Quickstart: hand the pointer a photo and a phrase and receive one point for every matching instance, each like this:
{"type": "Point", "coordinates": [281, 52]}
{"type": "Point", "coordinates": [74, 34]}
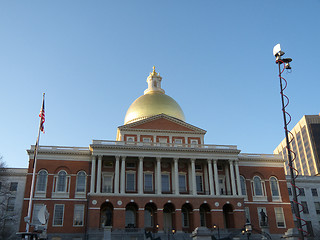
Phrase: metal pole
{"type": "Point", "coordinates": [295, 199]}
{"type": "Point", "coordinates": [34, 172]}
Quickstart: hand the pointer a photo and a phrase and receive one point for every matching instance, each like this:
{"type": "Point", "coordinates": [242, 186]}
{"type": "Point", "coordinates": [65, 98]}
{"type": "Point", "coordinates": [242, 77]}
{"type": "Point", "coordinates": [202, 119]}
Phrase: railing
{"type": "Point", "coordinates": [254, 155]}
{"type": "Point", "coordinates": [170, 145]}
{"type": "Point", "coordinates": [62, 148]}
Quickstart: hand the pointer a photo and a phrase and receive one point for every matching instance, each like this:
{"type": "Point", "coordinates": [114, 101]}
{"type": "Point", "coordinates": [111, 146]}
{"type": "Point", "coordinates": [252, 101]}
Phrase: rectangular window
{"type": "Point", "coordinates": [148, 182]}
{"type": "Point", "coordinates": [314, 192]}
{"type": "Point", "coordinates": [279, 217]}
{"type": "Point", "coordinates": [130, 139]}
{"type": "Point", "coordinates": [78, 215]}
{"type": "Point", "coordinates": [10, 205]}
{"type": "Point", "coordinates": [108, 164]}
{"type": "Point", "coordinates": [290, 191]}
{"type": "Point", "coordinates": [35, 211]}
{"type": "Point", "coordinates": [309, 228]}
{"type": "Point", "coordinates": [131, 165]}
{"type": "Point", "coordinates": [58, 215]}
{"type": "Point", "coordinates": [182, 183]}
{"type": "Point", "coordinates": [198, 166]}
{"type": "Point", "coordinates": [131, 182]}
{"type": "Point", "coordinates": [107, 183]}
{"type": "Point", "coordinates": [146, 140]}
{"type": "Point", "coordinates": [317, 206]}
{"type": "Point", "coordinates": [199, 183]}
{"type": "Point", "coordinates": [302, 192]}
{"type": "Point", "coordinates": [13, 186]}
{"type": "Point", "coordinates": [194, 142]}
{"type": "Point", "coordinates": [163, 140]}
{"type": "Point", "coordinates": [305, 207]}
{"type": "Point", "coordinates": [178, 142]}
{"type": "Point", "coordinates": [165, 182]}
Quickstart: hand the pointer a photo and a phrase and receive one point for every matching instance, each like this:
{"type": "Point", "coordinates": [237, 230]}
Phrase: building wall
{"type": "Point", "coordinates": [307, 183]}
{"type": "Point", "coordinates": [12, 221]}
{"type": "Point", "coordinates": [305, 143]}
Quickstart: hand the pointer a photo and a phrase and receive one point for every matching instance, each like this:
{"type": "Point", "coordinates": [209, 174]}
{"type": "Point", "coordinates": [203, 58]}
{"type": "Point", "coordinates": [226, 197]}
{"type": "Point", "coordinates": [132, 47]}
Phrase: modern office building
{"type": "Point", "coordinates": [12, 184]}
{"type": "Point", "coordinates": [305, 144]}
{"type": "Point", "coordinates": [158, 175]}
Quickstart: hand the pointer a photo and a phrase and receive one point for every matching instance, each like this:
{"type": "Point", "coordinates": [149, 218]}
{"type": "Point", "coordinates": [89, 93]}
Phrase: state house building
{"type": "Point", "coordinates": [157, 175]}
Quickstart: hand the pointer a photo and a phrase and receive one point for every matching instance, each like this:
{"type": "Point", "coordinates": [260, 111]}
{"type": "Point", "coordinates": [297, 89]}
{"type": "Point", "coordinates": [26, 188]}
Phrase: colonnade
{"type": "Point", "coordinates": [232, 180]}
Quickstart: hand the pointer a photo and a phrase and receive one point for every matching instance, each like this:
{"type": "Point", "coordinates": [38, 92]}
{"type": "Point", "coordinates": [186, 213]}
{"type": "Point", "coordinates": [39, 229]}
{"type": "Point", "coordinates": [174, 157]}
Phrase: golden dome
{"type": "Point", "coordinates": [153, 102]}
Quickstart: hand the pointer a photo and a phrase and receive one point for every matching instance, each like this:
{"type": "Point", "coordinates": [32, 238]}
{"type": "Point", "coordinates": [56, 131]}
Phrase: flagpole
{"type": "Point", "coordinates": [35, 165]}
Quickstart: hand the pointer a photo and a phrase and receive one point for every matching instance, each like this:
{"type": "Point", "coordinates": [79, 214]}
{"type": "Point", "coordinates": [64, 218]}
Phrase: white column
{"type": "Point", "coordinates": [216, 176]}
{"type": "Point", "coordinates": [193, 177]}
{"type": "Point", "coordinates": [236, 163]}
{"type": "Point", "coordinates": [93, 174]}
{"type": "Point", "coordinates": [116, 175]}
{"type": "Point", "coordinates": [210, 177]}
{"type": "Point", "coordinates": [233, 180]}
{"type": "Point", "coordinates": [227, 169]}
{"type": "Point", "coordinates": [176, 176]}
{"type": "Point", "coordinates": [123, 175]}
{"type": "Point", "coordinates": [140, 176]}
{"type": "Point", "coordinates": [98, 190]}
{"type": "Point", "coordinates": [159, 187]}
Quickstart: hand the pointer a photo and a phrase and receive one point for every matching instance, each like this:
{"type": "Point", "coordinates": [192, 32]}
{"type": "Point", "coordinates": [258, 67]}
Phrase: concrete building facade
{"type": "Point", "coordinates": [305, 144]}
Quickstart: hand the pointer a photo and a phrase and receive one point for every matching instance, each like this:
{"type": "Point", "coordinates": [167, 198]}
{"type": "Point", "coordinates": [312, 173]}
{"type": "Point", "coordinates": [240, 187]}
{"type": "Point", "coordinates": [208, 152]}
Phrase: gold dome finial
{"type": "Point", "coordinates": [154, 73]}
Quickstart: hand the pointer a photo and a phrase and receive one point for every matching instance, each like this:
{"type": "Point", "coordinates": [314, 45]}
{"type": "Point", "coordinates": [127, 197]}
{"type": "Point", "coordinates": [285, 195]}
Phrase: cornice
{"type": "Point", "coordinates": [168, 149]}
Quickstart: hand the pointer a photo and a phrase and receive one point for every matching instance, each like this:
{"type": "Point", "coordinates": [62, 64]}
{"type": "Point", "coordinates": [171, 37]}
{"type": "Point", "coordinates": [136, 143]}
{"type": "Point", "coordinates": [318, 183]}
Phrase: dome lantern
{"type": "Point", "coordinates": [154, 82]}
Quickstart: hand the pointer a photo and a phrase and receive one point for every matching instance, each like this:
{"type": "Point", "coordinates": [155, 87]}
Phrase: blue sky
{"type": "Point", "coordinates": [92, 58]}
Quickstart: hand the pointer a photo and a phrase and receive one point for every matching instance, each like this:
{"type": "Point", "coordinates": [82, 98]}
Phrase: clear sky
{"type": "Point", "coordinates": [92, 58]}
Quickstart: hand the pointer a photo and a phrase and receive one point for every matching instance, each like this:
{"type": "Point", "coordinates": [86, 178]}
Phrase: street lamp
{"type": "Point", "coordinates": [247, 230]}
{"type": "Point", "coordinates": [215, 227]}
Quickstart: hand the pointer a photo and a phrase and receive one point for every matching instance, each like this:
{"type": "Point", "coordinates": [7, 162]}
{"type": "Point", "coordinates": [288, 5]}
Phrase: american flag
{"type": "Point", "coordinates": [42, 116]}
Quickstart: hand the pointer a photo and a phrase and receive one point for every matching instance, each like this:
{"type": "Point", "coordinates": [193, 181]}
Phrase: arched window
{"type": "Point", "coordinates": [243, 185]}
{"type": "Point", "coordinates": [185, 217]}
{"type": "Point", "coordinates": [42, 181]}
{"type": "Point", "coordinates": [81, 182]}
{"type": "Point", "coordinates": [148, 217]}
{"type": "Point", "coordinates": [62, 181]}
{"type": "Point", "coordinates": [257, 185]}
{"type": "Point", "coordinates": [274, 188]}
{"type": "Point", "coordinates": [130, 217]}
{"type": "Point", "coordinates": [186, 210]}
{"type": "Point", "coordinates": [205, 215]}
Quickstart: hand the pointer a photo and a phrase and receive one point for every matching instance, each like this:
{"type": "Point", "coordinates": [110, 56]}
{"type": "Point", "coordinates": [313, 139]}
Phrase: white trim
{"type": "Point", "coordinates": [91, 208]}
{"type": "Point", "coordinates": [274, 203]}
{"type": "Point", "coordinates": [56, 199]}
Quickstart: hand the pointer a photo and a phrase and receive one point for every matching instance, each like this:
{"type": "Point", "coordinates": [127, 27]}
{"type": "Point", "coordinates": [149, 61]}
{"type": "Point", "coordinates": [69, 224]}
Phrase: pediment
{"type": "Point", "coordinates": [162, 122]}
